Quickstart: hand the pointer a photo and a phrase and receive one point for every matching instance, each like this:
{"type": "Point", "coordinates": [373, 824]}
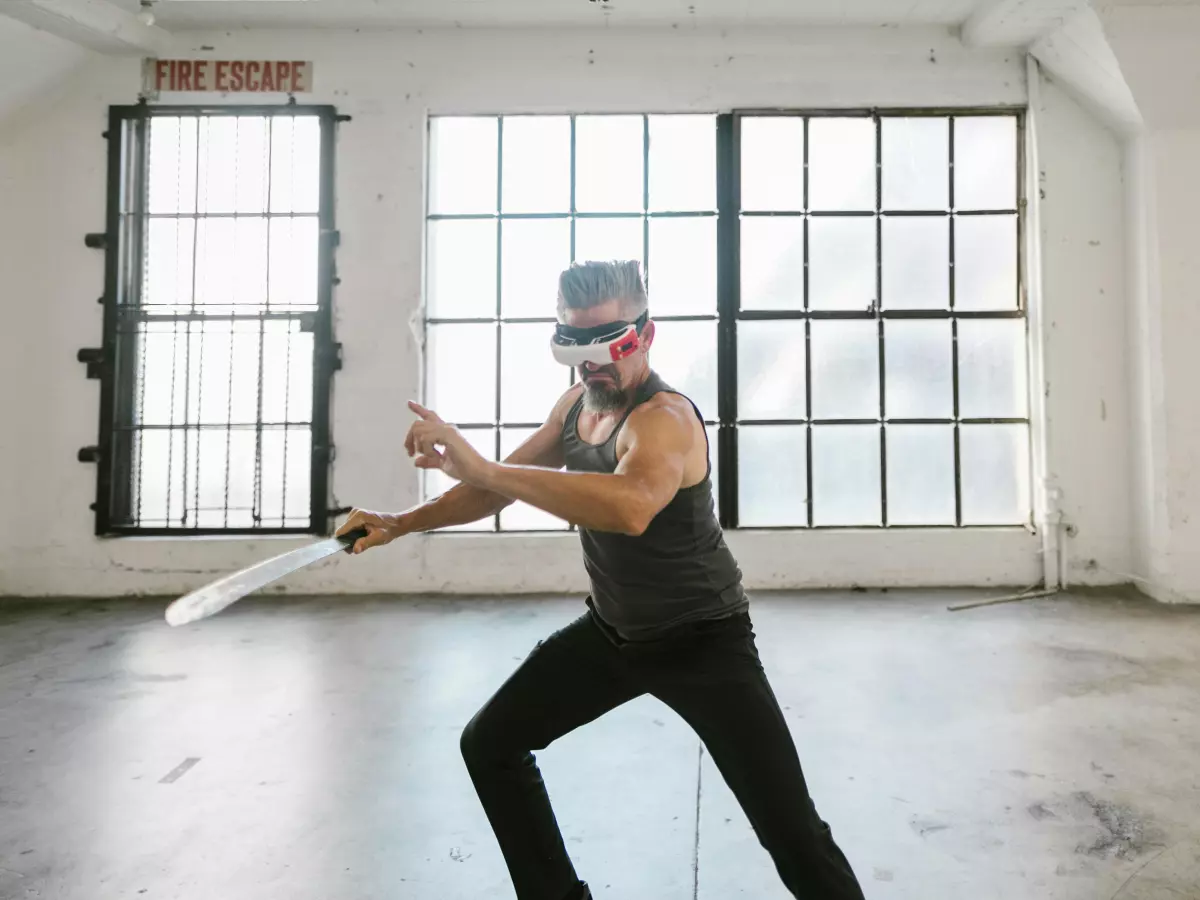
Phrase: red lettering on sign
{"type": "Point", "coordinates": [185, 75]}
{"type": "Point", "coordinates": [268, 82]}
{"type": "Point", "coordinates": [237, 75]}
{"type": "Point", "coordinates": [223, 76]}
{"type": "Point", "coordinates": [200, 71]}
{"type": "Point", "coordinates": [298, 75]}
{"type": "Point", "coordinates": [283, 77]}
{"type": "Point", "coordinates": [252, 82]}
{"type": "Point", "coordinates": [160, 72]}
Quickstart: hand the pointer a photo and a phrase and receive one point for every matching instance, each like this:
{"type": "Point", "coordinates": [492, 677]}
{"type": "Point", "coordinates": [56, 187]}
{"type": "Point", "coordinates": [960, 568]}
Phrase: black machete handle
{"type": "Point", "coordinates": [351, 537]}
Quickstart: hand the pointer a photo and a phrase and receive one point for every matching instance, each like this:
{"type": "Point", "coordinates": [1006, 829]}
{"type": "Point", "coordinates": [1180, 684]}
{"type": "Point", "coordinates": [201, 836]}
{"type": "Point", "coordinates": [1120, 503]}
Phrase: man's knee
{"type": "Point", "coordinates": [472, 743]}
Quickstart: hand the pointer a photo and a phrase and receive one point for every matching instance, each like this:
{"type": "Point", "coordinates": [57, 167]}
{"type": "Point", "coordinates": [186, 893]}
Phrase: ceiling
{"type": "Point", "coordinates": [348, 13]}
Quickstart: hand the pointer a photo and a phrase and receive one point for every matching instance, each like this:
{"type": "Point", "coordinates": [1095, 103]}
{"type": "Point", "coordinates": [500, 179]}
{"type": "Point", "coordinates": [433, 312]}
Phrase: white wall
{"type": "Point", "coordinates": [52, 191]}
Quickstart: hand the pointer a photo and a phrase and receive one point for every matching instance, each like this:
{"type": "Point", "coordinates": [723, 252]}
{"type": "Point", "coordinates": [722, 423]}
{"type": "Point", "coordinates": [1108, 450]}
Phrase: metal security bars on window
{"type": "Point", "coordinates": [218, 342]}
{"type": "Point", "coordinates": [840, 292]}
{"type": "Point", "coordinates": [512, 201]}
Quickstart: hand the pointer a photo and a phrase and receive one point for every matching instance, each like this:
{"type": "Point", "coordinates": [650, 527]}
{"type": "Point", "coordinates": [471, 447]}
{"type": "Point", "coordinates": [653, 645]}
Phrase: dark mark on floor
{"type": "Point", "coordinates": [107, 642]}
{"type": "Point", "coordinates": [457, 855]}
{"type": "Point", "coordinates": [180, 770]}
{"type": "Point", "coordinates": [1126, 834]}
{"type": "Point", "coordinates": [925, 827]}
{"type": "Point", "coordinates": [883, 874]}
{"type": "Point", "coordinates": [1039, 812]}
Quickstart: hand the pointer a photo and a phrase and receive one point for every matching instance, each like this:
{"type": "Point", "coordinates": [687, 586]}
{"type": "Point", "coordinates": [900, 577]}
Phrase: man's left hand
{"type": "Point", "coordinates": [438, 445]}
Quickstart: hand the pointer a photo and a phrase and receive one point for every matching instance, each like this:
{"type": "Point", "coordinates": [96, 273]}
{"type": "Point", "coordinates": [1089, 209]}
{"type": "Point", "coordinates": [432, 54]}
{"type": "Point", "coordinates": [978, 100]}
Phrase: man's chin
{"type": "Point", "coordinates": [602, 396]}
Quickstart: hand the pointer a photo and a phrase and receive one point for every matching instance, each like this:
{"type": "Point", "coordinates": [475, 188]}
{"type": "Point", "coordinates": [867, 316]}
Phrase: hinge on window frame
{"type": "Point", "coordinates": [95, 359]}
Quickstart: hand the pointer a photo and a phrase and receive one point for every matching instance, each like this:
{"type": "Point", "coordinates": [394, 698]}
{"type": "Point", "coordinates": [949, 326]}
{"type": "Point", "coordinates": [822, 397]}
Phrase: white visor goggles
{"type": "Point", "coordinates": [600, 346]}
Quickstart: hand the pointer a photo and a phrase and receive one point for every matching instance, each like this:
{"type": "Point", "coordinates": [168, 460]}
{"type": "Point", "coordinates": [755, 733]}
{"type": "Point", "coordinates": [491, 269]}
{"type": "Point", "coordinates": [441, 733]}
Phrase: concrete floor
{"type": "Point", "coordinates": [308, 750]}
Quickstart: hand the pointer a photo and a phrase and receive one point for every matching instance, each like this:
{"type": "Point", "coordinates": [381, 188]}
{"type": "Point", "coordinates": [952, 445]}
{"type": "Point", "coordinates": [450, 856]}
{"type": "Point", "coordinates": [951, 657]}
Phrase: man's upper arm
{"type": "Point", "coordinates": [544, 447]}
{"type": "Point", "coordinates": [658, 439]}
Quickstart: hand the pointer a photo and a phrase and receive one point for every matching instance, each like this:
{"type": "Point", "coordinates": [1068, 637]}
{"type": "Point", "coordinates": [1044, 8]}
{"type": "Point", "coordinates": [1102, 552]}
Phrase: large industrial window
{"type": "Point", "coordinates": [840, 295]}
{"type": "Point", "coordinates": [218, 349]}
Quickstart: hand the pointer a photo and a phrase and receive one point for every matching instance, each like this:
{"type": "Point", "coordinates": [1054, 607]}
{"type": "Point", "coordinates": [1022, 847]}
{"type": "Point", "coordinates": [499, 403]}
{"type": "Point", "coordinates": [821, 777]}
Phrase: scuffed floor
{"type": "Point", "coordinates": [309, 750]}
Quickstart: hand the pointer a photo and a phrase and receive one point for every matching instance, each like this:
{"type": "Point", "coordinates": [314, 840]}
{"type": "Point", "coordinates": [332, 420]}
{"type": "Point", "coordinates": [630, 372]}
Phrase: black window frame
{"type": "Point", "coordinates": [124, 243]}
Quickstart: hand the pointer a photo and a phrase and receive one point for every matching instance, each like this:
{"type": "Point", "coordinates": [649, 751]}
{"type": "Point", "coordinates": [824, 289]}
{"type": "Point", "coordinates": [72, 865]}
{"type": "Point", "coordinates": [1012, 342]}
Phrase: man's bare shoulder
{"type": "Point", "coordinates": [663, 411]}
{"type": "Point", "coordinates": [558, 415]}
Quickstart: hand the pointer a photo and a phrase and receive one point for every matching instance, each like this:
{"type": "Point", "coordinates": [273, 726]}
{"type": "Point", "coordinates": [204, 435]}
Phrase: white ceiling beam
{"type": "Point", "coordinates": [1016, 23]}
{"type": "Point", "coordinates": [95, 24]}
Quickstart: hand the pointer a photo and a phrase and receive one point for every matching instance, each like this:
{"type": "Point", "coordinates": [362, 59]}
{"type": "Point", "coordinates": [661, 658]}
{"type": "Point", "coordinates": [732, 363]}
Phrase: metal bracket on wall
{"type": "Point", "coordinates": [335, 357]}
{"type": "Point", "coordinates": [88, 455]}
{"type": "Point", "coordinates": [95, 360]}
{"type": "Point", "coordinates": [96, 240]}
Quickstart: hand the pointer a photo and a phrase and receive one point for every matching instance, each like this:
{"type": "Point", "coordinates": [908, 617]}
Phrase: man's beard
{"type": "Point", "coordinates": [603, 396]}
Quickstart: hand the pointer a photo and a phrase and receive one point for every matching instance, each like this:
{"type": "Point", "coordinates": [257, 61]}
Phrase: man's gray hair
{"type": "Point", "coordinates": [588, 284]}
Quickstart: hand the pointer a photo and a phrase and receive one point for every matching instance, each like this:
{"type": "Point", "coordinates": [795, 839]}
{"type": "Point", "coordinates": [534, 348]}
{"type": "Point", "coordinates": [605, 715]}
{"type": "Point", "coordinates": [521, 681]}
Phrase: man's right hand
{"type": "Point", "coordinates": [382, 528]}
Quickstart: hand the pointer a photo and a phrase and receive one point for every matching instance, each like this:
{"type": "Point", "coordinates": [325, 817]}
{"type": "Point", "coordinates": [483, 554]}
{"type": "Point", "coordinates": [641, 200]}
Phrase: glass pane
{"type": "Point", "coordinates": [916, 163]}
{"type": "Point", "coordinates": [919, 363]}
{"type": "Point", "coordinates": [845, 370]}
{"type": "Point", "coordinates": [207, 502]}
{"type": "Point", "coordinates": [461, 372]}
{"type": "Point", "coordinates": [772, 260]}
{"type": "Point", "coordinates": [537, 164]}
{"type": "Point", "coordinates": [295, 253]}
{"type": "Point", "coordinates": [609, 153]}
{"type": "Point", "coordinates": [916, 262]}
{"type": "Point", "coordinates": [841, 263]}
{"type": "Point", "coordinates": [242, 452]}
{"type": "Point", "coordinates": [234, 163]}
{"type": "Point", "coordinates": [682, 274]}
{"type": "Point", "coordinates": [435, 482]}
{"type": "Point", "coordinates": [710, 433]}
{"type": "Point", "coordinates": [772, 161]}
{"type": "Point", "coordinates": [231, 264]}
{"type": "Point", "coordinates": [284, 486]}
{"type": "Point", "coordinates": [172, 186]}
{"type": "Point", "coordinates": [841, 164]}
{"type": "Point", "coordinates": [992, 381]}
{"type": "Point", "coordinates": [171, 244]}
{"type": "Point", "coordinates": [920, 482]}
{"type": "Point", "coordinates": [685, 354]}
{"type": "Point", "coordinates": [462, 164]}
{"type": "Point", "coordinates": [985, 162]}
{"type": "Point", "coordinates": [846, 473]}
{"type": "Point", "coordinates": [995, 474]}
{"type": "Point", "coordinates": [522, 516]}
{"type": "Point", "coordinates": [461, 279]}
{"type": "Point", "coordinates": [287, 373]}
{"type": "Point", "coordinates": [295, 164]}
{"type": "Point", "coordinates": [597, 239]}
{"type": "Point", "coordinates": [771, 358]}
{"type": "Point", "coordinates": [772, 476]}
{"type": "Point", "coordinates": [158, 484]}
{"type": "Point", "coordinates": [530, 380]}
{"type": "Point", "coordinates": [683, 163]}
{"type": "Point", "coordinates": [162, 356]}
{"type": "Point", "coordinates": [534, 254]}
{"type": "Point", "coordinates": [985, 262]}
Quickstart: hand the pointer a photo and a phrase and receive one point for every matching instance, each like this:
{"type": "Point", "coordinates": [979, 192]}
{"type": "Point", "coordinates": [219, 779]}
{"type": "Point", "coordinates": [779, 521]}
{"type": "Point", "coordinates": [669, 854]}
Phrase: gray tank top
{"type": "Point", "coordinates": [678, 572]}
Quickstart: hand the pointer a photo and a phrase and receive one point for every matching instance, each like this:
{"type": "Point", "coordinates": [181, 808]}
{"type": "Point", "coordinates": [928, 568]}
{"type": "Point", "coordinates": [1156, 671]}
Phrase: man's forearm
{"type": "Point", "coordinates": [590, 500]}
{"type": "Point", "coordinates": [461, 505]}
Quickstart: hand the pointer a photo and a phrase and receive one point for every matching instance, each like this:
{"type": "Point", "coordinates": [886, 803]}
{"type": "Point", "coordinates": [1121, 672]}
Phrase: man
{"type": "Point", "coordinates": [667, 614]}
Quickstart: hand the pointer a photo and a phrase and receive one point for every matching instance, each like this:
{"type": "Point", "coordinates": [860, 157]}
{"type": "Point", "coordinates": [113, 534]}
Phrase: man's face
{"type": "Point", "coordinates": [606, 387]}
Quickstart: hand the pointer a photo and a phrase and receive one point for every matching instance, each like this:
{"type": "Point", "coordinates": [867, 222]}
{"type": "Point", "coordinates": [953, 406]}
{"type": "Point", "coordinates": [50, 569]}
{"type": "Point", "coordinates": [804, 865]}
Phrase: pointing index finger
{"type": "Point", "coordinates": [427, 414]}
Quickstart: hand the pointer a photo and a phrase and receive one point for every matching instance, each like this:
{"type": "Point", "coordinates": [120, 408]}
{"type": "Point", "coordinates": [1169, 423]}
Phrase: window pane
{"type": "Point", "coordinates": [710, 433]}
{"type": "Point", "coordinates": [609, 239]}
{"type": "Point", "coordinates": [985, 162]}
{"type": "Point", "coordinates": [683, 163]}
{"type": "Point", "coordinates": [846, 472]}
{"type": "Point", "coordinates": [609, 154]}
{"type": "Point", "coordinates": [991, 369]}
{"type": "Point", "coordinates": [462, 165]}
{"type": "Point", "coordinates": [234, 164]}
{"type": "Point", "coordinates": [284, 486]}
{"type": "Point", "coordinates": [985, 262]}
{"type": "Point", "coordinates": [462, 269]}
{"type": "Point", "coordinates": [845, 370]}
{"type": "Point", "coordinates": [916, 262]}
{"type": "Point", "coordinates": [685, 354]}
{"type": "Point", "coordinates": [158, 483]}
{"type": "Point", "coordinates": [170, 246]}
{"type": "Point", "coordinates": [287, 373]}
{"type": "Point", "coordinates": [461, 372]}
{"type": "Point", "coordinates": [682, 274]}
{"type": "Point", "coordinates": [537, 164]}
{"type": "Point", "coordinates": [295, 164]}
{"type": "Point", "coordinates": [172, 186]}
{"type": "Point", "coordinates": [521, 516]}
{"type": "Point", "coordinates": [772, 476]}
{"type": "Point", "coordinates": [534, 254]}
{"type": "Point", "coordinates": [772, 261]}
{"type": "Point", "coordinates": [231, 264]}
{"type": "Point", "coordinates": [841, 164]}
{"type": "Point", "coordinates": [295, 253]}
{"type": "Point", "coordinates": [841, 263]}
{"type": "Point", "coordinates": [916, 163]}
{"type": "Point", "coordinates": [530, 379]}
{"type": "Point", "coordinates": [435, 482]}
{"type": "Point", "coordinates": [771, 357]}
{"type": "Point", "coordinates": [918, 359]}
{"type": "Point", "coordinates": [920, 474]}
{"type": "Point", "coordinates": [241, 462]}
{"type": "Point", "coordinates": [772, 162]}
{"type": "Point", "coordinates": [995, 474]}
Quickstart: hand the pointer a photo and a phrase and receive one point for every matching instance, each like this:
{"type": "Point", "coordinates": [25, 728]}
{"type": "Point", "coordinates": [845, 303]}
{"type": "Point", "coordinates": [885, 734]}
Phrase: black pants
{"type": "Point", "coordinates": [711, 676]}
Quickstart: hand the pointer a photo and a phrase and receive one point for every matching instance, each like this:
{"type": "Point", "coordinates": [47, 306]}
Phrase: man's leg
{"type": "Point", "coordinates": [570, 679]}
{"type": "Point", "coordinates": [717, 684]}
